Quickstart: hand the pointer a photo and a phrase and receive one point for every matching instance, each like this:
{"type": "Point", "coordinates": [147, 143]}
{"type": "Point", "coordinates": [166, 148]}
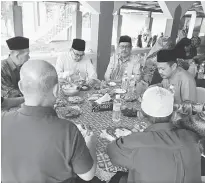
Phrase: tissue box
{"type": "Point", "coordinates": [106, 106]}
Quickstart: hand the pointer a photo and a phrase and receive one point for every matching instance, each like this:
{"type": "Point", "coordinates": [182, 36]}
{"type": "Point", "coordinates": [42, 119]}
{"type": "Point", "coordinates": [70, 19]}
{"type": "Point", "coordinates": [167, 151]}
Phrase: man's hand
{"type": "Point", "coordinates": [90, 139]}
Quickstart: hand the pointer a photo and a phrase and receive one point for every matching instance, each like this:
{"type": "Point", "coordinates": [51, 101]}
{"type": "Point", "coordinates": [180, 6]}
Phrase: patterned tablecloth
{"type": "Point", "coordinates": [99, 121]}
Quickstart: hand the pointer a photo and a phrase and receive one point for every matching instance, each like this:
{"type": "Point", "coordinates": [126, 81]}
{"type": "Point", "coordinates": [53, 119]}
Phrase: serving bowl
{"type": "Point", "coordinates": [70, 90]}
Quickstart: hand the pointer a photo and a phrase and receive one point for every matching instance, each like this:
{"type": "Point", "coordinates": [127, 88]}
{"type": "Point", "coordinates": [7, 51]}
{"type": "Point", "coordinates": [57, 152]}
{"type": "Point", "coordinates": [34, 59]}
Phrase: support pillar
{"type": "Point", "coordinates": [94, 32]}
{"type": "Point", "coordinates": [202, 29]}
{"type": "Point", "coordinates": [104, 37]}
{"type": "Point", "coordinates": [192, 24]}
{"type": "Point", "coordinates": [17, 19]}
{"type": "Point", "coordinates": [149, 21]}
{"type": "Point", "coordinates": [77, 23]}
{"type": "Point", "coordinates": [38, 13]}
{"type": "Point", "coordinates": [172, 25]}
{"type": "Point", "coordinates": [117, 27]}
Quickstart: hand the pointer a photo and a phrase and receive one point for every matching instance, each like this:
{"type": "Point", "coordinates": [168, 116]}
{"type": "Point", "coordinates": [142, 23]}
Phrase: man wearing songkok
{"type": "Point", "coordinates": [162, 153]}
{"type": "Point", "coordinates": [123, 61]}
{"type": "Point", "coordinates": [37, 146]}
{"type": "Point", "coordinates": [10, 67]}
{"type": "Point", "coordinates": [176, 78]}
{"type": "Point", "coordinates": [75, 65]}
{"type": "Point", "coordinates": [150, 72]}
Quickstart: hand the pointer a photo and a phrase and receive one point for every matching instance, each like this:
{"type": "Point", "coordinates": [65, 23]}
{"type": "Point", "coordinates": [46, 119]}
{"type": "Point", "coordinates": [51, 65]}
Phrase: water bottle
{"type": "Point", "coordinates": [124, 81]}
{"type": "Point", "coordinates": [132, 84]}
{"type": "Point", "coordinates": [116, 115]}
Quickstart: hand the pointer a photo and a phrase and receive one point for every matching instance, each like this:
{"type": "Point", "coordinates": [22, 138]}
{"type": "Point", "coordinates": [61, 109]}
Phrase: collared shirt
{"type": "Point", "coordinates": [39, 147]}
{"type": "Point", "coordinates": [117, 67]}
{"type": "Point", "coordinates": [184, 86]}
{"type": "Point", "coordinates": [160, 154]}
{"type": "Point", "coordinates": [10, 76]}
{"type": "Point", "coordinates": [65, 65]}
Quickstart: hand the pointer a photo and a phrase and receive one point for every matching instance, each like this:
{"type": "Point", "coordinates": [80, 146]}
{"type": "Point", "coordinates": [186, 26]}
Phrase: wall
{"type": "Point", "coordinates": [133, 24]}
{"type": "Point", "coordinates": [28, 19]}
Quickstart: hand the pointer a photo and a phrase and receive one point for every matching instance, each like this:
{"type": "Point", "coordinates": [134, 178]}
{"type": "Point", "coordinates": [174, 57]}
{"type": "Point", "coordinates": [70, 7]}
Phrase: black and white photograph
{"type": "Point", "coordinates": [102, 91]}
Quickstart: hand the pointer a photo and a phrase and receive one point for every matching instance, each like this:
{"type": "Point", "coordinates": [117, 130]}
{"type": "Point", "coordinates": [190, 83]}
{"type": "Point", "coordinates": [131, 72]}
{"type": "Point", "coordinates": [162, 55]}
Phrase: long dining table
{"type": "Point", "coordinates": [99, 121]}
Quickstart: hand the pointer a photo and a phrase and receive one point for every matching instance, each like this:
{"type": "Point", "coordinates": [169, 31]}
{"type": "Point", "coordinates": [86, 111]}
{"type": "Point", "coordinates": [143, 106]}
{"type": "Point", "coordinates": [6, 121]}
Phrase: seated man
{"type": "Point", "coordinates": [10, 67]}
{"type": "Point", "coordinates": [7, 103]}
{"type": "Point", "coordinates": [123, 61]}
{"type": "Point", "coordinates": [37, 146]}
{"type": "Point", "coordinates": [74, 65]}
{"type": "Point", "coordinates": [162, 153]}
{"type": "Point", "coordinates": [181, 81]}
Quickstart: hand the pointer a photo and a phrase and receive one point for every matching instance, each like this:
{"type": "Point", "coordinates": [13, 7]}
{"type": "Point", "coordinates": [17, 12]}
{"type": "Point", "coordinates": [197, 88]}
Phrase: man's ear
{"type": "Point", "coordinates": [174, 66]}
{"type": "Point", "coordinates": [20, 86]}
{"type": "Point", "coordinates": [56, 90]}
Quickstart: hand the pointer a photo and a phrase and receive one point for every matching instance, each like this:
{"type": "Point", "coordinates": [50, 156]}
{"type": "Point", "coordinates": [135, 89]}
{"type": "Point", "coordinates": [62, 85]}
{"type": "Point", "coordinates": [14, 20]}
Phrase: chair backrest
{"type": "Point", "coordinates": [200, 94]}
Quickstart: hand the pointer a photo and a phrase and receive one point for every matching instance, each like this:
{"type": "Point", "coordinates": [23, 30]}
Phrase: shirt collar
{"type": "Point", "coordinates": [37, 111]}
{"type": "Point", "coordinates": [159, 126]}
{"type": "Point", "coordinates": [175, 72]}
{"type": "Point", "coordinates": [11, 63]}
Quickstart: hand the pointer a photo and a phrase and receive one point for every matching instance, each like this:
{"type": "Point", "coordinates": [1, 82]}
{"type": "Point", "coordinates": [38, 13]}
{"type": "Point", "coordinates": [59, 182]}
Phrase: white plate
{"type": "Point", "coordinates": [121, 132]}
{"type": "Point", "coordinates": [112, 83]}
{"type": "Point", "coordinates": [120, 91]}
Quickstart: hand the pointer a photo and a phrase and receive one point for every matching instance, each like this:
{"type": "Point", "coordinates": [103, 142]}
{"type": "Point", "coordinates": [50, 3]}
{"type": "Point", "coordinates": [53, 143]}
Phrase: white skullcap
{"type": "Point", "coordinates": [157, 102]}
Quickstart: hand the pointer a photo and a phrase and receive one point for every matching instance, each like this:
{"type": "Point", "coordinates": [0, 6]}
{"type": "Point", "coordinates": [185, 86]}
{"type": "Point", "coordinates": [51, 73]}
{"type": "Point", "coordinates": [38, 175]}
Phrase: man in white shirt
{"type": "Point", "coordinates": [123, 61]}
{"type": "Point", "coordinates": [74, 65]}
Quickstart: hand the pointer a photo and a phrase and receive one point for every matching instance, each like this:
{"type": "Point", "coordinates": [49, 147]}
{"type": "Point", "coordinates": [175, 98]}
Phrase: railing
{"type": "Point", "coordinates": [64, 21]}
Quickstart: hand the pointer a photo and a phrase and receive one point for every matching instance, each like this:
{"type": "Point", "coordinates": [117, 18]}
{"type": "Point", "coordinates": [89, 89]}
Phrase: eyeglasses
{"type": "Point", "coordinates": [125, 47]}
{"type": "Point", "coordinates": [78, 55]}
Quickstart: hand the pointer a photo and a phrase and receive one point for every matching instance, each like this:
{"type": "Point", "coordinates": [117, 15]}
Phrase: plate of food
{"type": "Point", "coordinates": [75, 100]}
{"type": "Point", "coordinates": [120, 91]}
{"type": "Point", "coordinates": [104, 91]}
{"type": "Point", "coordinates": [118, 132]}
{"type": "Point", "coordinates": [70, 89]}
{"type": "Point", "coordinates": [95, 97]}
{"type": "Point", "coordinates": [130, 97]}
{"type": "Point", "coordinates": [85, 87]}
{"type": "Point", "coordinates": [73, 112]}
{"type": "Point", "coordinates": [61, 102]}
{"type": "Point", "coordinates": [129, 111]}
{"type": "Point", "coordinates": [68, 112]}
{"type": "Point", "coordinates": [112, 84]}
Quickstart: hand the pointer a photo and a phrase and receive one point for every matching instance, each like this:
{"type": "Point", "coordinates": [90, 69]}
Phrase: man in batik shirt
{"type": "Point", "coordinates": [123, 61]}
{"type": "Point", "coordinates": [10, 67]}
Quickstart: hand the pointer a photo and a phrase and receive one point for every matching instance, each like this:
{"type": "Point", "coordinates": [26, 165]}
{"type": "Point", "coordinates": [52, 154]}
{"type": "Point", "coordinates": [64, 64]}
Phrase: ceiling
{"type": "Point", "coordinates": [153, 6]}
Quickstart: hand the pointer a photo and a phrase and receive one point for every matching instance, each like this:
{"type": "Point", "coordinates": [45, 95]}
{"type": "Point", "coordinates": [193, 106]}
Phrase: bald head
{"type": "Point", "coordinates": [38, 77]}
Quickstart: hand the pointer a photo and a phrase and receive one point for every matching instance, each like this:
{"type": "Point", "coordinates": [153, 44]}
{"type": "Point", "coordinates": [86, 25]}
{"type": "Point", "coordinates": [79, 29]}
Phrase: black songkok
{"type": "Point", "coordinates": [166, 56]}
{"type": "Point", "coordinates": [78, 44]}
{"type": "Point", "coordinates": [18, 43]}
{"type": "Point", "coordinates": [126, 39]}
